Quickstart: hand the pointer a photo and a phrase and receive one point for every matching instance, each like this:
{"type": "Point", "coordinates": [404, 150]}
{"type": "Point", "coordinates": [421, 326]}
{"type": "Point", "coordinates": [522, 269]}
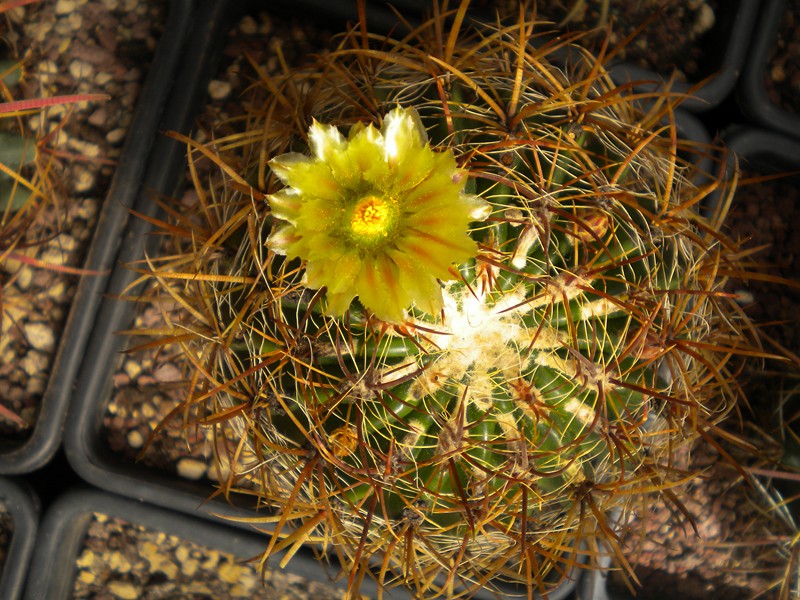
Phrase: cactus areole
{"type": "Point", "coordinates": [454, 339]}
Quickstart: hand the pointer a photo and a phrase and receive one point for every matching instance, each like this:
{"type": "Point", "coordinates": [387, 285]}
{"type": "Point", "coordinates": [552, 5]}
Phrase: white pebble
{"type": "Point", "coordinates": [81, 70]}
{"type": "Point", "coordinates": [40, 336]}
{"type": "Point", "coordinates": [115, 136]}
{"type": "Point", "coordinates": [24, 278]}
{"type": "Point", "coordinates": [132, 369]}
{"type": "Point", "coordinates": [82, 180]}
{"type": "Point", "coordinates": [135, 438]}
{"type": "Point", "coordinates": [64, 7]}
{"type": "Point", "coordinates": [34, 363]}
{"type": "Point", "coordinates": [190, 468]}
{"type": "Point", "coordinates": [248, 25]}
{"type": "Point", "coordinates": [219, 90]}
{"type": "Point", "coordinates": [167, 373]}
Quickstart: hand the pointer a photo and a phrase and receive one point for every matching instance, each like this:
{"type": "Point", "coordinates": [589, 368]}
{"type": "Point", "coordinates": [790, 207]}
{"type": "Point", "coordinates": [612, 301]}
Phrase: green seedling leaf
{"type": "Point", "coordinates": [15, 150]}
{"type": "Point", "coordinates": [10, 72]}
{"type": "Point", "coordinates": [12, 197]}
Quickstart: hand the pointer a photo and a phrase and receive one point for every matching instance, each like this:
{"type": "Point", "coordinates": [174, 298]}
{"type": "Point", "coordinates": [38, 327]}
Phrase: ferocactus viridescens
{"type": "Point", "coordinates": [379, 215]}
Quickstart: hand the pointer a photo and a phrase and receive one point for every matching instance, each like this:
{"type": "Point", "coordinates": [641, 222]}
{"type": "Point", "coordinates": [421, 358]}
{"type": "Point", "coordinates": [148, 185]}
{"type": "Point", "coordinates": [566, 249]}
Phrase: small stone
{"type": "Point", "coordinates": [124, 590]}
{"type": "Point", "coordinates": [54, 257]}
{"type": "Point", "coordinates": [64, 7]}
{"type": "Point", "coordinates": [81, 70]}
{"type": "Point", "coordinates": [36, 386]}
{"type": "Point", "coordinates": [40, 336]}
{"type": "Point", "coordinates": [83, 180]}
{"type": "Point", "coordinates": [86, 577]}
{"type": "Point", "coordinates": [115, 136]}
{"type": "Point", "coordinates": [248, 26]}
{"type": "Point", "coordinates": [212, 561]}
{"type": "Point", "coordinates": [148, 412]}
{"type": "Point", "coordinates": [55, 112]}
{"type": "Point", "coordinates": [241, 591]}
{"type": "Point", "coordinates": [190, 468]}
{"type": "Point", "coordinates": [705, 20]}
{"type": "Point", "coordinates": [34, 363]}
{"type": "Point", "coordinates": [86, 560]}
{"type": "Point", "coordinates": [135, 439]}
{"type": "Point", "coordinates": [57, 291]}
{"type": "Point", "coordinates": [39, 31]}
{"type": "Point", "coordinates": [98, 118]}
{"type": "Point", "coordinates": [219, 90]}
{"type": "Point", "coordinates": [86, 149]}
{"type": "Point", "coordinates": [86, 210]}
{"type": "Point", "coordinates": [189, 567]}
{"type": "Point", "coordinates": [158, 561]}
{"type": "Point", "coordinates": [132, 369]}
{"type": "Point", "coordinates": [230, 572]}
{"type": "Point", "coordinates": [24, 278]}
{"type": "Point", "coordinates": [103, 78]}
{"type": "Point", "coordinates": [75, 21]}
{"type": "Point", "coordinates": [47, 70]}
{"type": "Point", "coordinates": [167, 373]}
{"type": "Point", "coordinates": [65, 242]}
{"type": "Point", "coordinates": [118, 562]}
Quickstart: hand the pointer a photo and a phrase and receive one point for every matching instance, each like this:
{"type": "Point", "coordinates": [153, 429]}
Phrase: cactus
{"type": "Point", "coordinates": [453, 297]}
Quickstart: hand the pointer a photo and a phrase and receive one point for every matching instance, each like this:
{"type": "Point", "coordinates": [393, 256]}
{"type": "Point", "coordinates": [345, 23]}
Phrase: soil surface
{"type": "Point", "coordinates": [148, 384]}
{"type": "Point", "coordinates": [124, 561]}
{"type": "Point", "coordinates": [6, 531]}
{"type": "Point", "coordinates": [782, 77]}
{"type": "Point", "coordinates": [671, 559]}
{"type": "Point", "coordinates": [766, 214]}
{"type": "Point", "coordinates": [675, 37]}
{"type": "Point", "coordinates": [66, 47]}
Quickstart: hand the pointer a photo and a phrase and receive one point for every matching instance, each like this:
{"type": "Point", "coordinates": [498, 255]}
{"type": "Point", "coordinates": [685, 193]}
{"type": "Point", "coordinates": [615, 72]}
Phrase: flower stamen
{"type": "Point", "coordinates": [371, 217]}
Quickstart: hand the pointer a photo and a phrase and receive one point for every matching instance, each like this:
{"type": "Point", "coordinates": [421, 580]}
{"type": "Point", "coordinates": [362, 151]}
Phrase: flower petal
{"type": "Point", "coordinates": [308, 178]}
{"type": "Point", "coordinates": [286, 164]}
{"type": "Point", "coordinates": [403, 132]}
{"type": "Point", "coordinates": [345, 271]}
{"type": "Point", "coordinates": [422, 287]}
{"type": "Point", "coordinates": [286, 204]}
{"type": "Point", "coordinates": [361, 161]}
{"type": "Point", "coordinates": [325, 140]}
{"type": "Point", "coordinates": [436, 253]}
{"type": "Point", "coordinates": [282, 239]}
{"type": "Point", "coordinates": [337, 304]}
{"type": "Point", "coordinates": [379, 289]}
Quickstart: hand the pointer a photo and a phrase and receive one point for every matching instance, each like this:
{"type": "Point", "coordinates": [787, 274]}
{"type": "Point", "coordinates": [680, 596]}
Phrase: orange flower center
{"type": "Point", "coordinates": [371, 217]}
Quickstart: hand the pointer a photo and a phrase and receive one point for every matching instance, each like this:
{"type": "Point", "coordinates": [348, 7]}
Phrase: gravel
{"type": "Point", "coordinates": [125, 561]}
{"type": "Point", "coordinates": [68, 47]}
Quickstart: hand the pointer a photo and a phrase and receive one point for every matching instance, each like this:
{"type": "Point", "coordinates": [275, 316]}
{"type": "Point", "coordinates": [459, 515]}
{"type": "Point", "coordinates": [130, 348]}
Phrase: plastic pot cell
{"type": "Point", "coordinates": [766, 212]}
{"type": "Point", "coordinates": [19, 528]}
{"type": "Point", "coordinates": [92, 541]}
{"type": "Point", "coordinates": [724, 49]}
{"type": "Point", "coordinates": [21, 456]}
{"type": "Point", "coordinates": [765, 80]}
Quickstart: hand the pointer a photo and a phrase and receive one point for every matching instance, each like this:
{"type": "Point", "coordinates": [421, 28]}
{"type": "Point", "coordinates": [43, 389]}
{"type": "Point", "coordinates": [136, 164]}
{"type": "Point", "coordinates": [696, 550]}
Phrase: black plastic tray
{"type": "Point", "coordinates": [752, 92]}
{"type": "Point", "coordinates": [64, 526]}
{"type": "Point", "coordinates": [40, 447]}
{"type": "Point", "coordinates": [23, 505]}
{"type": "Point", "coordinates": [727, 44]}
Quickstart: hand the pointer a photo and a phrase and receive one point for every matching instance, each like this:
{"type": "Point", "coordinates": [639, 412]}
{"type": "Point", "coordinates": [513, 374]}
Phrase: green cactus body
{"type": "Point", "coordinates": [567, 358]}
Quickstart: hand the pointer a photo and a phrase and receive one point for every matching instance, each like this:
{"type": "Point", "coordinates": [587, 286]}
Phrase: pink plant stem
{"type": "Point", "coordinates": [34, 103]}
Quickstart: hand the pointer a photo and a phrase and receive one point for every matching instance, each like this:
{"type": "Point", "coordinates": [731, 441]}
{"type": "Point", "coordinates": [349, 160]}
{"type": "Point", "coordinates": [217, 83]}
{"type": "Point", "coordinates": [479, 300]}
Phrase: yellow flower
{"type": "Point", "coordinates": [379, 215]}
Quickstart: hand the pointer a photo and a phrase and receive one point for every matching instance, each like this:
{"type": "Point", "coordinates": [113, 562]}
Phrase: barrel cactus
{"type": "Point", "coordinates": [453, 298]}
